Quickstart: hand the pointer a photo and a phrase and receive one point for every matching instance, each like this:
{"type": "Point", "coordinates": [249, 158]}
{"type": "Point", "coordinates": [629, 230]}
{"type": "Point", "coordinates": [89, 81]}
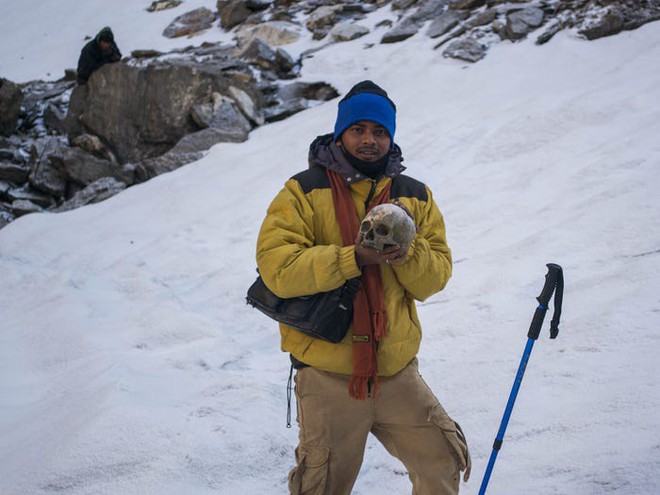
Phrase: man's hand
{"type": "Point", "coordinates": [393, 255]}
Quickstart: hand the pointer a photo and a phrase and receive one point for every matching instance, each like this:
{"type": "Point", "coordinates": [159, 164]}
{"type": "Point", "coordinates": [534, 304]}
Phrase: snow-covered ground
{"type": "Point", "coordinates": [130, 364]}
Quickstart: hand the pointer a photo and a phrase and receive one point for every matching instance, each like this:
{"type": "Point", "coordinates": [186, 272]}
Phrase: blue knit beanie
{"type": "Point", "coordinates": [366, 101]}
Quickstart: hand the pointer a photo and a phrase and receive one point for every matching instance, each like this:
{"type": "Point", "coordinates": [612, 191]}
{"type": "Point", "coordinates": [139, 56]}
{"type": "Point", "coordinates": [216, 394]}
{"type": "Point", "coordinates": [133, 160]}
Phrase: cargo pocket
{"type": "Point", "coordinates": [455, 438]}
{"type": "Point", "coordinates": [310, 476]}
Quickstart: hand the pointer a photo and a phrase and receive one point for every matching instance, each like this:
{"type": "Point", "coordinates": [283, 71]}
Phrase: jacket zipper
{"type": "Point", "coordinates": [370, 196]}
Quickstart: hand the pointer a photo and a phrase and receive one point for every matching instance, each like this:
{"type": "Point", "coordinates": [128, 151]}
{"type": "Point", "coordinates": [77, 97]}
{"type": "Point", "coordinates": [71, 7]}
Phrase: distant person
{"type": "Point", "coordinates": [369, 382]}
{"type": "Point", "coordinates": [98, 52]}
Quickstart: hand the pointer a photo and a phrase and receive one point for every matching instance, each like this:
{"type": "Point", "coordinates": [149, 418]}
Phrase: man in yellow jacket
{"type": "Point", "coordinates": [369, 382]}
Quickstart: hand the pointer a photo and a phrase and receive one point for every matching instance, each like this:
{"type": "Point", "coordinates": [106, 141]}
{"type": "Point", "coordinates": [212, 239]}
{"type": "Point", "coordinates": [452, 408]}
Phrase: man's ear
{"type": "Point", "coordinates": [338, 143]}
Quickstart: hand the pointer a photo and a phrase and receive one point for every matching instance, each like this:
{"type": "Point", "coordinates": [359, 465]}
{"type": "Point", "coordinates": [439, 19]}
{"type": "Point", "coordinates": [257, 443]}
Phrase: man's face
{"type": "Point", "coordinates": [366, 140]}
{"type": "Point", "coordinates": [105, 46]}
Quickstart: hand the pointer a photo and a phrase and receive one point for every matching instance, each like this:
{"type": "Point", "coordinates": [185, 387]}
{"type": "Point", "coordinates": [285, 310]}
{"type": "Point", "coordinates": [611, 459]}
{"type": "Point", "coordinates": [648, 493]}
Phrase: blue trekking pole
{"type": "Point", "coordinates": [554, 282]}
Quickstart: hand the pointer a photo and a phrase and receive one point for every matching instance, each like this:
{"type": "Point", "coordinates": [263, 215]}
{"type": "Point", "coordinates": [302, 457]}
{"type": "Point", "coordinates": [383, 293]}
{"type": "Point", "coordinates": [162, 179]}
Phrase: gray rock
{"type": "Point", "coordinates": [482, 18]}
{"type": "Point", "coordinates": [234, 13]}
{"type": "Point", "coordinates": [285, 110]}
{"type": "Point", "coordinates": [323, 17]}
{"type": "Point", "coordinates": [44, 176]}
{"type": "Point", "coordinates": [11, 97]}
{"type": "Point", "coordinates": [260, 54]}
{"type": "Point", "coordinates": [22, 207]}
{"type": "Point", "coordinates": [467, 4]}
{"type": "Point", "coordinates": [296, 97]}
{"type": "Point", "coordinates": [95, 192]}
{"type": "Point", "coordinates": [201, 141]}
{"type": "Point", "coordinates": [445, 22]}
{"type": "Point", "coordinates": [522, 22]}
{"type": "Point", "coordinates": [27, 194]}
{"type": "Point", "coordinates": [609, 23]}
{"type": "Point", "coordinates": [152, 167]}
{"type": "Point", "coordinates": [257, 5]}
{"type": "Point", "coordinates": [84, 168]}
{"type": "Point", "coordinates": [222, 114]}
{"type": "Point", "coordinates": [247, 105]}
{"type": "Point", "coordinates": [142, 112]}
{"type": "Point", "coordinates": [4, 189]}
{"type": "Point", "coordinates": [14, 172]}
{"type": "Point", "coordinates": [159, 5]}
{"type": "Point", "coordinates": [273, 33]}
{"type": "Point", "coordinates": [190, 23]}
{"type": "Point", "coordinates": [467, 49]}
{"type": "Point", "coordinates": [402, 4]}
{"type": "Point", "coordinates": [347, 31]}
{"type": "Point", "coordinates": [90, 144]}
{"type": "Point", "coordinates": [54, 119]}
{"type": "Point", "coordinates": [6, 218]}
{"type": "Point", "coordinates": [400, 32]}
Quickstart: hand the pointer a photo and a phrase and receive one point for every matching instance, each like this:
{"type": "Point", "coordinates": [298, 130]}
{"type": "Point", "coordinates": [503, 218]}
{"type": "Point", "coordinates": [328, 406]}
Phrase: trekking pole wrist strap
{"type": "Point", "coordinates": [554, 282]}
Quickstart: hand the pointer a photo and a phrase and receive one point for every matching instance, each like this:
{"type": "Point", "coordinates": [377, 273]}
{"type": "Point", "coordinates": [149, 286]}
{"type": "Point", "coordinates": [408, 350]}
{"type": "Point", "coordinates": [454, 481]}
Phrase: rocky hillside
{"type": "Point", "coordinates": [65, 145]}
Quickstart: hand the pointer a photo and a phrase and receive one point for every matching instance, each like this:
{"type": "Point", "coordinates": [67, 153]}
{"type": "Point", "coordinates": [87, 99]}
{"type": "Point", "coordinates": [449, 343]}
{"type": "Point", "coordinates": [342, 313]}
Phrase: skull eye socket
{"type": "Point", "coordinates": [365, 226]}
{"type": "Point", "coordinates": [382, 230]}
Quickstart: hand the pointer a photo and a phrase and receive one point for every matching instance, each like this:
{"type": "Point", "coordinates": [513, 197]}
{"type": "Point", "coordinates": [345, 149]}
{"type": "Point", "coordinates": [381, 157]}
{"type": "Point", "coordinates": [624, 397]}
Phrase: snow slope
{"type": "Point", "coordinates": [130, 364]}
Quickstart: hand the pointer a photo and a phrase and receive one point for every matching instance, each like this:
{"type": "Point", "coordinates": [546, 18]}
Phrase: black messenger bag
{"type": "Point", "coordinates": [326, 315]}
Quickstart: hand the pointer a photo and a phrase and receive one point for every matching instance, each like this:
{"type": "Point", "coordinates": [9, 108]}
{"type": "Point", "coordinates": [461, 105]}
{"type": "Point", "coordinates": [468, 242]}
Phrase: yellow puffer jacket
{"type": "Point", "coordinates": [300, 252]}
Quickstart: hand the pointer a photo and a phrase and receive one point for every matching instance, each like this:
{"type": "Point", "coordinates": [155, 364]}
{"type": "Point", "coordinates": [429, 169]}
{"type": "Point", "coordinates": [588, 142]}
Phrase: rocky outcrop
{"type": "Point", "coordinates": [10, 105]}
{"type": "Point", "coordinates": [154, 112]}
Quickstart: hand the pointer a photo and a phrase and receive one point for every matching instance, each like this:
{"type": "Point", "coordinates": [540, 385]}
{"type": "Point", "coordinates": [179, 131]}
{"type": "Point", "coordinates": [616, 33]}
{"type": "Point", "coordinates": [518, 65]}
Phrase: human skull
{"type": "Point", "coordinates": [387, 225]}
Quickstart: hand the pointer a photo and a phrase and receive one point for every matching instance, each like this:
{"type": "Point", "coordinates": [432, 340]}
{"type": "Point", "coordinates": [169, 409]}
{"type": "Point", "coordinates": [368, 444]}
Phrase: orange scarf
{"type": "Point", "coordinates": [369, 313]}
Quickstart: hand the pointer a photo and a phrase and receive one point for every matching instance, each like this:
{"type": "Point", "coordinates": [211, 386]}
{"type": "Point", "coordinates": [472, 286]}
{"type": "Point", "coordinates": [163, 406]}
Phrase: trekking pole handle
{"type": "Point", "coordinates": [552, 278]}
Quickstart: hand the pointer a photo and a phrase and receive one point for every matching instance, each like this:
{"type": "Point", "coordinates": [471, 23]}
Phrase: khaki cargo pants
{"type": "Point", "coordinates": [406, 418]}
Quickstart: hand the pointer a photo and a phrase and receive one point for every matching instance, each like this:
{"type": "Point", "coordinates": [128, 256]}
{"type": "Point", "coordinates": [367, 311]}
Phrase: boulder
{"type": "Point", "coordinates": [445, 22]}
{"type": "Point", "coordinates": [223, 115]}
{"type": "Point", "coordinates": [467, 4]}
{"type": "Point", "coordinates": [466, 49]}
{"type": "Point", "coordinates": [346, 31]}
{"type": "Point", "coordinates": [482, 18]}
{"type": "Point", "coordinates": [27, 194]}
{"type": "Point", "coordinates": [263, 56]}
{"type": "Point", "coordinates": [522, 22]}
{"type": "Point", "coordinates": [323, 17]}
{"type": "Point", "coordinates": [5, 218]}
{"type": "Point", "coordinates": [91, 144]}
{"type": "Point", "coordinates": [54, 119]}
{"type": "Point", "coordinates": [141, 112]}
{"type": "Point", "coordinates": [95, 192]}
{"type": "Point", "coordinates": [22, 207]}
{"type": "Point", "coordinates": [14, 172]}
{"type": "Point", "coordinates": [247, 105]}
{"type": "Point", "coordinates": [610, 22]}
{"type": "Point", "coordinates": [399, 33]}
{"type": "Point", "coordinates": [234, 13]}
{"type": "Point", "coordinates": [402, 4]}
{"type": "Point", "coordinates": [44, 176]}
{"type": "Point", "coordinates": [273, 33]}
{"type": "Point", "coordinates": [296, 97]}
{"type": "Point", "coordinates": [84, 168]}
{"type": "Point", "coordinates": [200, 141]}
{"type": "Point", "coordinates": [159, 5]}
{"type": "Point", "coordinates": [11, 97]}
{"type": "Point", "coordinates": [190, 23]}
{"type": "Point", "coordinates": [152, 167]}
{"type": "Point", "coordinates": [5, 187]}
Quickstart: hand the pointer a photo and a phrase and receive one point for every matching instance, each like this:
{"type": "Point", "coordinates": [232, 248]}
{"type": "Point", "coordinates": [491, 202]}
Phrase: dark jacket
{"type": "Point", "coordinates": [92, 57]}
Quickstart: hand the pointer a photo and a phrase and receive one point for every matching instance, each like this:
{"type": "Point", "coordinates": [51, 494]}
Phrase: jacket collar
{"type": "Point", "coordinates": [324, 152]}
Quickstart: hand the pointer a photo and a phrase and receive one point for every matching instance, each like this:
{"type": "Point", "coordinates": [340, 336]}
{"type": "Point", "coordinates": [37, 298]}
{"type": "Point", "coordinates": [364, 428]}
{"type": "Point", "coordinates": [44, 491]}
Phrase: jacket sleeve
{"type": "Point", "coordinates": [429, 265]}
{"type": "Point", "coordinates": [289, 262]}
{"type": "Point", "coordinates": [85, 65]}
